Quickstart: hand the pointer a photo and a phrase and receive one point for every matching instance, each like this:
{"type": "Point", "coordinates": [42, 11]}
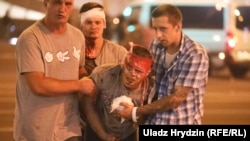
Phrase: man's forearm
{"type": "Point", "coordinates": [161, 105]}
{"type": "Point", "coordinates": [92, 116]}
{"type": "Point", "coordinates": [166, 103]}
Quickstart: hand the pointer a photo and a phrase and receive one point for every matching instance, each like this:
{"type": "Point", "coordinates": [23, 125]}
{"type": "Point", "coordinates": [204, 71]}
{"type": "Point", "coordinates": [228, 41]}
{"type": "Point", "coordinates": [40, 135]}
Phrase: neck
{"type": "Point", "coordinates": [93, 47]}
{"type": "Point", "coordinates": [133, 88]}
{"type": "Point", "coordinates": [94, 43]}
{"type": "Point", "coordinates": [175, 47]}
{"type": "Point", "coordinates": [55, 28]}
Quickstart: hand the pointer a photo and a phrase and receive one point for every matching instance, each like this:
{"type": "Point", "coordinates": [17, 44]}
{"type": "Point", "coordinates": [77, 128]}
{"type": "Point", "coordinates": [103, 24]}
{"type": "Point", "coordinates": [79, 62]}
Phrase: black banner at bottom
{"type": "Point", "coordinates": [199, 132]}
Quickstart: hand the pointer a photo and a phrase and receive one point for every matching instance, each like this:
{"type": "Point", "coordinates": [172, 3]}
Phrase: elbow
{"type": "Point", "coordinates": [35, 82]}
{"type": "Point", "coordinates": [177, 102]}
{"type": "Point", "coordinates": [36, 90]}
{"type": "Point", "coordinates": [176, 105]}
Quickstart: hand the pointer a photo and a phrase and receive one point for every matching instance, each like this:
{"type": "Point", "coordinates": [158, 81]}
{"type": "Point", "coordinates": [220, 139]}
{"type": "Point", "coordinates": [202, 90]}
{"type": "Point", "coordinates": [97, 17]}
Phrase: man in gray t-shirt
{"type": "Point", "coordinates": [49, 57]}
{"type": "Point", "coordinates": [128, 79]}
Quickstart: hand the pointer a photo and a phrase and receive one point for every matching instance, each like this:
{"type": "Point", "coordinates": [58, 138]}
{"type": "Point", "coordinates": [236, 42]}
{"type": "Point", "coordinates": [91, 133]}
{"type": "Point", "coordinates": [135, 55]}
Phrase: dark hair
{"type": "Point", "coordinates": [141, 51]}
{"type": "Point", "coordinates": [172, 12]}
{"type": "Point", "coordinates": [90, 5]}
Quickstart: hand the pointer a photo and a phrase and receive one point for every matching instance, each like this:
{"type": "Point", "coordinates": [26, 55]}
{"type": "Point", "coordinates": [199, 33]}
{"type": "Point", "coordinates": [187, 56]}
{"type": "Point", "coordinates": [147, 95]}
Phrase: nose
{"type": "Point", "coordinates": [133, 72]}
{"type": "Point", "coordinates": [158, 34]}
{"type": "Point", "coordinates": [62, 7]}
{"type": "Point", "coordinates": [93, 25]}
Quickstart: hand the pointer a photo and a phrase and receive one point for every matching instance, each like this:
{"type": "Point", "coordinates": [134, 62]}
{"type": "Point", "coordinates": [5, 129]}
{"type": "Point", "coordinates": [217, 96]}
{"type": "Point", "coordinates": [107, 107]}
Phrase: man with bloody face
{"type": "Point", "coordinates": [129, 79]}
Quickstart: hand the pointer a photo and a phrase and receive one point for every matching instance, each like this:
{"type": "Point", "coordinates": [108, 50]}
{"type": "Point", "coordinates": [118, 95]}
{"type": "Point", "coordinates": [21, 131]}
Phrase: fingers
{"type": "Point", "coordinates": [125, 104]}
{"type": "Point", "coordinates": [87, 86]}
{"type": "Point", "coordinates": [126, 112]}
{"type": "Point", "coordinates": [111, 137]}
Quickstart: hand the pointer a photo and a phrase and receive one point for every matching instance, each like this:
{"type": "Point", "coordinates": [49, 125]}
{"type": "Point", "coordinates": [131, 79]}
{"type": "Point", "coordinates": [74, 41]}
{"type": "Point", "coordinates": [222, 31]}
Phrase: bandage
{"type": "Point", "coordinates": [95, 12]}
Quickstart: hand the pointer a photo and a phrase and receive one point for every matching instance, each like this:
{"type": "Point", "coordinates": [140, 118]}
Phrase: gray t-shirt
{"type": "Point", "coordinates": [108, 79]}
{"type": "Point", "coordinates": [39, 118]}
{"type": "Point", "coordinates": [111, 53]}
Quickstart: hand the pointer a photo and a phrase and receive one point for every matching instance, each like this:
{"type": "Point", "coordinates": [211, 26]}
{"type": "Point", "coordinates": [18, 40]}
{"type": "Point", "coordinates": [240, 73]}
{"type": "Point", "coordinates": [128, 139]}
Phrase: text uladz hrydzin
{"type": "Point", "coordinates": [173, 132]}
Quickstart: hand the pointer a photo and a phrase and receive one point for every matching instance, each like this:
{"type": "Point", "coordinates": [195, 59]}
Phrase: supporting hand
{"type": "Point", "coordinates": [126, 112]}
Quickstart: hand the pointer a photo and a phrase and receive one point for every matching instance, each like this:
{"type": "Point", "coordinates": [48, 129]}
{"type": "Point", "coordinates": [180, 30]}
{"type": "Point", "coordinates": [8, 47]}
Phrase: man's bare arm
{"type": "Point", "coordinates": [166, 103]}
{"type": "Point", "coordinates": [45, 86]}
{"type": "Point", "coordinates": [93, 118]}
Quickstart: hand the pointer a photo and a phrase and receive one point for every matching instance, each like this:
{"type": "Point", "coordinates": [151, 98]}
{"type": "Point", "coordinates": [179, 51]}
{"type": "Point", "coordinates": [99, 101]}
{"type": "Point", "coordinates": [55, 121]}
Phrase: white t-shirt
{"type": "Point", "coordinates": [169, 58]}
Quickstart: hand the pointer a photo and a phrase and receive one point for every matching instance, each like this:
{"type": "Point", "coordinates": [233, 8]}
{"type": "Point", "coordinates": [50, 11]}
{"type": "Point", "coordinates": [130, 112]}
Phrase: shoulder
{"type": "Point", "coordinates": [114, 46]}
{"type": "Point", "coordinates": [76, 35]}
{"type": "Point", "coordinates": [74, 30]}
{"type": "Point", "coordinates": [104, 68]}
{"type": "Point", "coordinates": [193, 47]}
{"type": "Point", "coordinates": [31, 32]}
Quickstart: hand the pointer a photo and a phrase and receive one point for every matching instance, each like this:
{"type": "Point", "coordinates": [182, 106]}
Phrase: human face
{"type": "Point", "coordinates": [93, 27]}
{"type": "Point", "coordinates": [135, 70]}
{"type": "Point", "coordinates": [166, 33]}
{"type": "Point", "coordinates": [58, 11]}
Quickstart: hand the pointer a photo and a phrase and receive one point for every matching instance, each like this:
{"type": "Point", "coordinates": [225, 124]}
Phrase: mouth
{"type": "Point", "coordinates": [93, 32]}
{"type": "Point", "coordinates": [60, 16]}
{"type": "Point", "coordinates": [162, 41]}
{"type": "Point", "coordinates": [130, 80]}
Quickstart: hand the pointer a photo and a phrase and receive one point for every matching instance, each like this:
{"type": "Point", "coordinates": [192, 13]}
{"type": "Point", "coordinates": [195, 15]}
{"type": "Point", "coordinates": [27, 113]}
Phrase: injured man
{"type": "Point", "coordinates": [127, 82]}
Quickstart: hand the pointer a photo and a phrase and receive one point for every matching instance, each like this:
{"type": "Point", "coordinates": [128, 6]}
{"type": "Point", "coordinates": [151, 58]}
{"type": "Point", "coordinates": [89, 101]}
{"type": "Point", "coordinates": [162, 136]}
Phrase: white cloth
{"type": "Point", "coordinates": [95, 12]}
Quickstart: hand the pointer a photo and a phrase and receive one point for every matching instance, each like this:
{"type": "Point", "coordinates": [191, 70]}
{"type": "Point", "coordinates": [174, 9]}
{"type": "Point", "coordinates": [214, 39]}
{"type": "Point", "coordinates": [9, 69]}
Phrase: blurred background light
{"type": "Point", "coordinates": [13, 40]}
{"type": "Point", "coordinates": [18, 12]}
{"type": "Point", "coordinates": [116, 21]}
{"type": "Point", "coordinates": [127, 11]}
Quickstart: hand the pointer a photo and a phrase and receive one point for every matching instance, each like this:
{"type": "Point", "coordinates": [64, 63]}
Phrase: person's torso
{"type": "Point", "coordinates": [57, 56]}
{"type": "Point", "coordinates": [111, 53]}
{"type": "Point", "coordinates": [176, 74]}
{"type": "Point", "coordinates": [111, 87]}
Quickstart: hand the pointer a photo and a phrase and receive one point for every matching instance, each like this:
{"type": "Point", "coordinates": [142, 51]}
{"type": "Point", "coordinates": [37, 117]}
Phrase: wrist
{"type": "Point", "coordinates": [78, 86]}
{"type": "Point", "coordinates": [134, 117]}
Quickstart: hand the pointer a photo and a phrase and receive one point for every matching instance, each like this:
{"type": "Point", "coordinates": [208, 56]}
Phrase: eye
{"type": "Point", "coordinates": [68, 4]}
{"type": "Point", "coordinates": [88, 22]}
{"type": "Point", "coordinates": [98, 22]}
{"type": "Point", "coordinates": [163, 29]}
{"type": "Point", "coordinates": [129, 67]}
{"type": "Point", "coordinates": [138, 71]}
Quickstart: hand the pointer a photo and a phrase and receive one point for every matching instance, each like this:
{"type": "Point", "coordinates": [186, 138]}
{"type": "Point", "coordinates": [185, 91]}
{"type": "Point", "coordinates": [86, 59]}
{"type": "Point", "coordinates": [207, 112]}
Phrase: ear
{"type": "Point", "coordinates": [45, 2]}
{"type": "Point", "coordinates": [148, 72]}
{"type": "Point", "coordinates": [178, 27]}
{"type": "Point", "coordinates": [123, 65]}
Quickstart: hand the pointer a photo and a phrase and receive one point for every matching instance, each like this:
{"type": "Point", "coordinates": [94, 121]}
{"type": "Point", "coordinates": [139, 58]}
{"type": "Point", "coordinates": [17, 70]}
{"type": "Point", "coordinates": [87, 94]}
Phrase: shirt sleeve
{"type": "Point", "coordinates": [28, 53]}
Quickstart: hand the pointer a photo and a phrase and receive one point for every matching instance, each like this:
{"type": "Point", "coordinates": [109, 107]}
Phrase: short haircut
{"type": "Point", "coordinates": [172, 12]}
{"type": "Point", "coordinates": [141, 51]}
{"type": "Point", "coordinates": [90, 5]}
